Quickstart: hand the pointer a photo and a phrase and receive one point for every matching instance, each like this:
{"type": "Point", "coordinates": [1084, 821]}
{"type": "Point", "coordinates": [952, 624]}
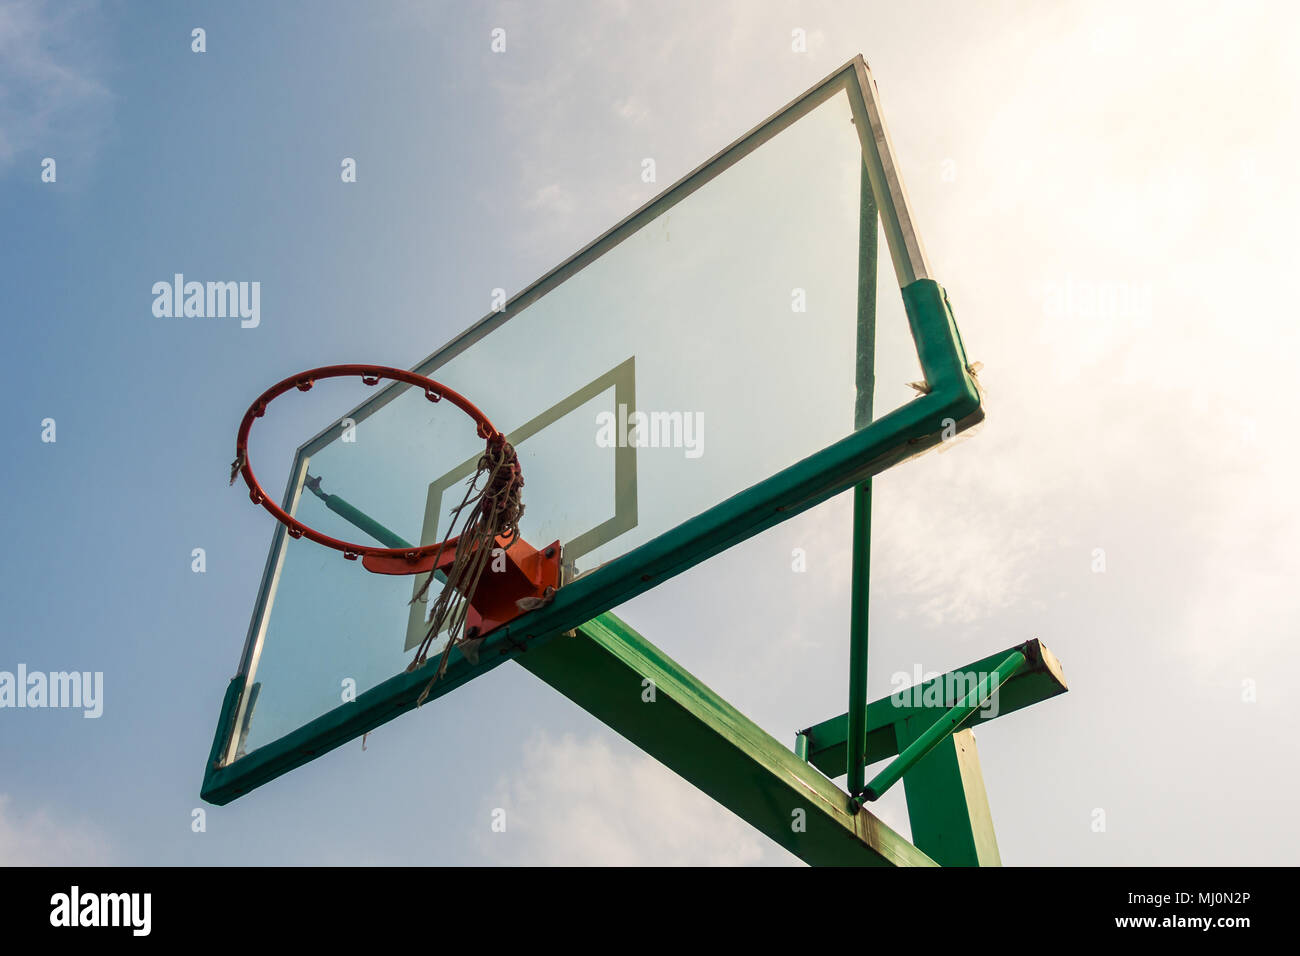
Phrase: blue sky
{"type": "Point", "coordinates": [1050, 153]}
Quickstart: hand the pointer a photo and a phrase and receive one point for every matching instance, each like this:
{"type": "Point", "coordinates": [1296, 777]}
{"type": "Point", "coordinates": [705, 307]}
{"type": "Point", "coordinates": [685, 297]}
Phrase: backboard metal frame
{"type": "Point", "coordinates": [950, 404]}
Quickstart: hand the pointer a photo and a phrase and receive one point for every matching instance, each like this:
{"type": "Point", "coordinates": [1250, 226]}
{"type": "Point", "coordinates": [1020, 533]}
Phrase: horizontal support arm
{"type": "Point", "coordinates": [944, 726]}
{"type": "Point", "coordinates": [1039, 679]}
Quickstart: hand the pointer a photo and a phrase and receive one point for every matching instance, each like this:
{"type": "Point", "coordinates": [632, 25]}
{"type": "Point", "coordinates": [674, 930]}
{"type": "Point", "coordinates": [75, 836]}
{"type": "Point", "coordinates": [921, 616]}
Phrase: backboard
{"type": "Point", "coordinates": [732, 353]}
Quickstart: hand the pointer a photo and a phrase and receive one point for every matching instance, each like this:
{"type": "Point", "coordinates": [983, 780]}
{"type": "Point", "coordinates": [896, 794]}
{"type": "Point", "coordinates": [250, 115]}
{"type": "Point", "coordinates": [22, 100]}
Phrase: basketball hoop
{"type": "Point", "coordinates": [370, 375]}
{"type": "Point", "coordinates": [472, 603]}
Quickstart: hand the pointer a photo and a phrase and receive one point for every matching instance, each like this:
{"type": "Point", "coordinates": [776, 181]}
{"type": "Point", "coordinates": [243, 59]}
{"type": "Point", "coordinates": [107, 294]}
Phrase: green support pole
{"type": "Point", "coordinates": [860, 600]}
{"type": "Point", "coordinates": [358, 518]}
{"type": "Point", "coordinates": [944, 726]}
{"type": "Point", "coordinates": [947, 805]}
{"type": "Point", "coordinates": [355, 517]}
{"type": "Point", "coordinates": [801, 747]}
{"type": "Point", "coordinates": [862, 416]}
{"type": "Point", "coordinates": [371, 527]}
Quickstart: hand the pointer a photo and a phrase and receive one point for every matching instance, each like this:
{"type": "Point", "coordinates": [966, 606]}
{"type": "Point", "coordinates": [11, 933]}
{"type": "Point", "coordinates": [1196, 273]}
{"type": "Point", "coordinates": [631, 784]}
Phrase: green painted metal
{"type": "Point", "coordinates": [862, 414]}
{"type": "Point", "coordinates": [801, 747]}
{"type": "Point", "coordinates": [947, 805]}
{"type": "Point", "coordinates": [622, 679]}
{"type": "Point", "coordinates": [859, 604]}
{"type": "Point", "coordinates": [944, 726]}
{"type": "Point", "coordinates": [1040, 679]}
{"type": "Point", "coordinates": [226, 721]}
{"type": "Point", "coordinates": [380, 704]}
{"type": "Point", "coordinates": [360, 519]}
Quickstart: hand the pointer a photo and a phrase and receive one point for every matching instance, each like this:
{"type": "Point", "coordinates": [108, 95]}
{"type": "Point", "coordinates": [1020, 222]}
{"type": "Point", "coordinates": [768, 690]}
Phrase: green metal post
{"type": "Point", "coordinates": [862, 416]}
{"type": "Point", "coordinates": [860, 601]}
{"type": "Point", "coordinates": [944, 726]}
{"type": "Point", "coordinates": [363, 521]}
{"type": "Point", "coordinates": [801, 747]}
{"type": "Point", "coordinates": [355, 517]}
{"type": "Point", "coordinates": [947, 804]}
{"type": "Point", "coordinates": [350, 513]}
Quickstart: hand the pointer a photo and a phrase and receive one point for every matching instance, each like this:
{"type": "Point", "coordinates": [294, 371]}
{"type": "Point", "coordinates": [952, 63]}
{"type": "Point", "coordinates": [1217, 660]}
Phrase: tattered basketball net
{"type": "Point", "coordinates": [493, 522]}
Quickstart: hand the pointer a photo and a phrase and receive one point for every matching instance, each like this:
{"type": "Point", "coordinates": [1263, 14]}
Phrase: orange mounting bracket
{"type": "Point", "coordinates": [527, 573]}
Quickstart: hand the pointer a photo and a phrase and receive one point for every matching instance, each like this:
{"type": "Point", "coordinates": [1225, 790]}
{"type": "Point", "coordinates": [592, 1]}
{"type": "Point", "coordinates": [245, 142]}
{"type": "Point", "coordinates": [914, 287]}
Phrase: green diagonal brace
{"type": "Point", "coordinates": [1039, 679]}
{"type": "Point", "coordinates": [947, 804]}
{"type": "Point", "coordinates": [622, 679]}
{"type": "Point", "coordinates": [945, 726]}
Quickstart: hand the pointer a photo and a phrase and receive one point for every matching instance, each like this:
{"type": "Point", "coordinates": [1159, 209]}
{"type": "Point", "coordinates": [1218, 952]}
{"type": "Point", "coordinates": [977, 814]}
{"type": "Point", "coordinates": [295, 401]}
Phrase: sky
{"type": "Point", "coordinates": [1104, 190]}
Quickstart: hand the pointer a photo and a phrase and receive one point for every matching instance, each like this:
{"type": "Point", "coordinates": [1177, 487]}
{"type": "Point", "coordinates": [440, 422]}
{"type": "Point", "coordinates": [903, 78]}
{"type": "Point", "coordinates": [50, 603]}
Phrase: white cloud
{"type": "Point", "coordinates": [49, 95]}
{"type": "Point", "coordinates": [632, 109]}
{"type": "Point", "coordinates": [37, 839]}
{"type": "Point", "coordinates": [552, 200]}
{"type": "Point", "coordinates": [577, 802]}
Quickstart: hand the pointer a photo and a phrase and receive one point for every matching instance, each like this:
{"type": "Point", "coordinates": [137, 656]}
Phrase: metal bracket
{"type": "Point", "coordinates": [527, 579]}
